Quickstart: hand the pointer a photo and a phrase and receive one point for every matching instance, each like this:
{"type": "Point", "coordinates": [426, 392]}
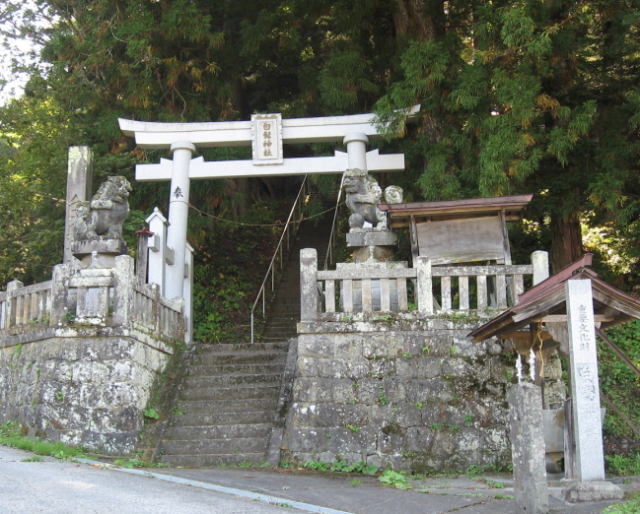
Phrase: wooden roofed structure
{"type": "Point", "coordinates": [459, 231]}
{"type": "Point", "coordinates": [546, 303]}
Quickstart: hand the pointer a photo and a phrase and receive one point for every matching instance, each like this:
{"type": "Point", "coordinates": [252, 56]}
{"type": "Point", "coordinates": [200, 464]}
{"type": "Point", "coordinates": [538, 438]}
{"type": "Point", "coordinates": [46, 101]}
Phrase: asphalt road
{"type": "Point", "coordinates": [58, 487]}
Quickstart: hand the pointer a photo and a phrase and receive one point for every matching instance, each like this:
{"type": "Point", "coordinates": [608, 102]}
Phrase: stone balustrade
{"type": "Point", "coordinates": [101, 297]}
{"type": "Point", "coordinates": [496, 287]}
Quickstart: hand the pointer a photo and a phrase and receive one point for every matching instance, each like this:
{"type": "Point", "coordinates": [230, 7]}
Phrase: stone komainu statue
{"type": "Point", "coordinates": [104, 215]}
{"type": "Point", "coordinates": [363, 196]}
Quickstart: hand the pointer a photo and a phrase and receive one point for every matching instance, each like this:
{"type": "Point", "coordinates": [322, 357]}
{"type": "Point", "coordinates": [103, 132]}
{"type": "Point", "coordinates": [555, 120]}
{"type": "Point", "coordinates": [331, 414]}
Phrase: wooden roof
{"type": "Point", "coordinates": [547, 301]}
{"type": "Point", "coordinates": [400, 214]}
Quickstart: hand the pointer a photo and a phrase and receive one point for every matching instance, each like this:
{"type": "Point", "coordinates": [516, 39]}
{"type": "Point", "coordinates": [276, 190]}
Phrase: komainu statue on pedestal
{"type": "Point", "coordinates": [103, 217]}
{"type": "Point", "coordinates": [363, 196]}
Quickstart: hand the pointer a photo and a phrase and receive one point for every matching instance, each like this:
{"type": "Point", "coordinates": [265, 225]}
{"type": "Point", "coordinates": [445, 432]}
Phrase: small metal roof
{"type": "Point", "coordinates": [400, 214]}
{"type": "Point", "coordinates": [547, 299]}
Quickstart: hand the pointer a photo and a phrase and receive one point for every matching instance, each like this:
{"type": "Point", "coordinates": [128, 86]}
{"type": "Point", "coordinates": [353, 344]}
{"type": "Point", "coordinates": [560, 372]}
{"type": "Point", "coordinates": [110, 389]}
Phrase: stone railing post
{"type": "Point", "coordinates": [540, 262]}
{"type": "Point", "coordinates": [11, 311]}
{"type": "Point", "coordinates": [424, 286]}
{"type": "Point", "coordinates": [308, 289]}
{"type": "Point", "coordinates": [59, 293]}
{"type": "Point", "coordinates": [123, 280]}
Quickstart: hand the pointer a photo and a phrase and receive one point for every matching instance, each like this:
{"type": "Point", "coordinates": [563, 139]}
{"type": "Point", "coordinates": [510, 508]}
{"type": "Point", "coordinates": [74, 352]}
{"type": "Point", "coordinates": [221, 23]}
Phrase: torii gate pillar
{"type": "Point", "coordinates": [357, 150]}
{"type": "Point", "coordinates": [178, 217]}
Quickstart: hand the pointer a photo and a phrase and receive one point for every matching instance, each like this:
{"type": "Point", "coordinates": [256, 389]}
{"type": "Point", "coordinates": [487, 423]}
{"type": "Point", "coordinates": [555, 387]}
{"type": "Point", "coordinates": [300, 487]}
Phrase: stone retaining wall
{"type": "Point", "coordinates": [413, 394]}
{"type": "Point", "coordinates": [84, 386]}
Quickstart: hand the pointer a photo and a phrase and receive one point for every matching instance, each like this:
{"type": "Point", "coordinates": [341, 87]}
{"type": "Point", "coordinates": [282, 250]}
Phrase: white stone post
{"type": "Point", "coordinates": [424, 286]}
{"type": "Point", "coordinates": [585, 389]}
{"type": "Point", "coordinates": [79, 175]}
{"type": "Point", "coordinates": [188, 298]}
{"type": "Point", "coordinates": [11, 312]}
{"type": "Point", "coordinates": [357, 150]}
{"type": "Point", "coordinates": [157, 249]}
{"type": "Point", "coordinates": [178, 216]}
{"type": "Point", "coordinates": [540, 262]}
{"type": "Point", "coordinates": [59, 290]}
{"type": "Point", "coordinates": [308, 288]}
{"type": "Point", "coordinates": [123, 280]}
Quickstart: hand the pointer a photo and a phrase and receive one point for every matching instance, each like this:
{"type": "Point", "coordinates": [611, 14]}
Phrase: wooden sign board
{"type": "Point", "coordinates": [461, 240]}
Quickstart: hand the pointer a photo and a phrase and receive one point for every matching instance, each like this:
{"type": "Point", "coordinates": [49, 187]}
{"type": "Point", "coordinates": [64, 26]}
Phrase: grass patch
{"type": "Point", "coordinates": [10, 436]}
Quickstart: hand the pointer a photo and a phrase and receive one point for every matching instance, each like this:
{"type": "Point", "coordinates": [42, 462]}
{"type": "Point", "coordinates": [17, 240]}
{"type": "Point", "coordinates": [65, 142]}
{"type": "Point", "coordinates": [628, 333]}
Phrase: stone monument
{"type": "Point", "coordinates": [97, 231]}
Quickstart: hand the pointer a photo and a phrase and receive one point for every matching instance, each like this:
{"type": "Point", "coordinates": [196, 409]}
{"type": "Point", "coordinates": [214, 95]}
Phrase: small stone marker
{"type": "Point", "coordinates": [527, 447]}
{"type": "Point", "coordinates": [585, 389]}
{"type": "Point", "coordinates": [80, 170]}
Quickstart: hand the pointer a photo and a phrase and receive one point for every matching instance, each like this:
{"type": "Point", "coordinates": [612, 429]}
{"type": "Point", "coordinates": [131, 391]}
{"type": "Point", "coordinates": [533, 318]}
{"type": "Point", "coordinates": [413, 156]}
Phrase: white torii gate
{"type": "Point", "coordinates": [266, 133]}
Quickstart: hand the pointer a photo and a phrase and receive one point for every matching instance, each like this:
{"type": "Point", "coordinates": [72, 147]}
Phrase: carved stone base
{"type": "Point", "coordinates": [370, 254]}
{"type": "Point", "coordinates": [98, 253]}
{"type": "Point", "coordinates": [364, 237]}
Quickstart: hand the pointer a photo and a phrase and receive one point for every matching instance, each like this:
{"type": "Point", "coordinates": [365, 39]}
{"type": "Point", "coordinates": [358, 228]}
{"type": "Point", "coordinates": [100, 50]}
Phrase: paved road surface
{"type": "Point", "coordinates": [57, 487]}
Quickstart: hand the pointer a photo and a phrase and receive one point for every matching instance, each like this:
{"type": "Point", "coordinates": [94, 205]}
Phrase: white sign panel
{"type": "Point", "coordinates": [267, 139]}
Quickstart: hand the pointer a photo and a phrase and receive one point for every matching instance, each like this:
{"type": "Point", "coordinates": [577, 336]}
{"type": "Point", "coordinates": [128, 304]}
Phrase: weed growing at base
{"type": "Point", "coordinates": [10, 436]}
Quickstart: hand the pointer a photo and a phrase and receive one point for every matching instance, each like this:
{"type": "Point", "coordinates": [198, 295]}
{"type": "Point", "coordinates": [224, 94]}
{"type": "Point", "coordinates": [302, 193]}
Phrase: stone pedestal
{"type": "Point", "coordinates": [98, 253]}
{"type": "Point", "coordinates": [371, 245]}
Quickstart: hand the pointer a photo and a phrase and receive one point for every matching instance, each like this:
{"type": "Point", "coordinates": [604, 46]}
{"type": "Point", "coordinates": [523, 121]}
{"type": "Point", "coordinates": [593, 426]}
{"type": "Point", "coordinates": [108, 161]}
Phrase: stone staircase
{"type": "Point", "coordinates": [226, 410]}
{"type": "Point", "coordinates": [285, 308]}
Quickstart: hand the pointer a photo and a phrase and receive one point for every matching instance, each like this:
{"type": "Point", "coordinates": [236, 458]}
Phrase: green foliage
{"type": "Point", "coordinates": [151, 413]}
{"type": "Point", "coordinates": [617, 381]}
{"type": "Point", "coordinates": [342, 466]}
{"type": "Point", "coordinates": [630, 507]}
{"type": "Point", "coordinates": [10, 436]}
{"type": "Point", "coordinates": [624, 466]}
{"type": "Point", "coordinates": [394, 479]}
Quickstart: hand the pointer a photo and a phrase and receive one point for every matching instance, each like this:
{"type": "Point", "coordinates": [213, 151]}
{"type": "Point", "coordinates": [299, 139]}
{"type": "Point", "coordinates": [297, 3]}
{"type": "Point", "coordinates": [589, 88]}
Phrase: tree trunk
{"type": "Point", "coordinates": [566, 241]}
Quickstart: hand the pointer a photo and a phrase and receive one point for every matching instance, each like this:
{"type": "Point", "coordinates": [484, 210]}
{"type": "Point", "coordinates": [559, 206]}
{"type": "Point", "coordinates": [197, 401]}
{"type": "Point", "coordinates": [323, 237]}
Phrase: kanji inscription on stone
{"type": "Point", "coordinates": [267, 138]}
{"type": "Point", "coordinates": [585, 389]}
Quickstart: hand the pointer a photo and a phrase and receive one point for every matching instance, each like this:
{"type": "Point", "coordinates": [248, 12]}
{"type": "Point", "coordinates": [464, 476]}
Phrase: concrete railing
{"type": "Point", "coordinates": [156, 313]}
{"type": "Point", "coordinates": [92, 297]}
{"type": "Point", "coordinates": [21, 305]}
{"type": "Point", "coordinates": [326, 293]}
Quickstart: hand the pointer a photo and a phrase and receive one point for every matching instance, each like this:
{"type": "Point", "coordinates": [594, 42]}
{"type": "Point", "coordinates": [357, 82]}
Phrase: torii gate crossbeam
{"type": "Point", "coordinates": [266, 133]}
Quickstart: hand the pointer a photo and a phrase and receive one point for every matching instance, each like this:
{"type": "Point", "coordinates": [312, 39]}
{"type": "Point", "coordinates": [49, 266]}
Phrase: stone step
{"type": "Point", "coordinates": [212, 461]}
{"type": "Point", "coordinates": [205, 348]}
{"type": "Point", "coordinates": [216, 446]}
{"type": "Point", "coordinates": [219, 359]}
{"type": "Point", "coordinates": [197, 406]}
{"type": "Point", "coordinates": [208, 370]}
{"type": "Point", "coordinates": [222, 418]}
{"type": "Point", "coordinates": [261, 379]}
{"type": "Point", "coordinates": [220, 432]}
{"type": "Point", "coordinates": [233, 393]}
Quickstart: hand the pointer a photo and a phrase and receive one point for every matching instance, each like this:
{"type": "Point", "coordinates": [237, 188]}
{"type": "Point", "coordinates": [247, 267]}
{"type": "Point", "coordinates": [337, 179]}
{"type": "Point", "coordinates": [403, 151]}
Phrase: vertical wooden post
{"type": "Point", "coordinates": [308, 290]}
{"type": "Point", "coordinates": [425, 286]}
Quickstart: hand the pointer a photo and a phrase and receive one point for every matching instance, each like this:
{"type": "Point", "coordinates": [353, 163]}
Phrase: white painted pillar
{"type": "Point", "coordinates": [178, 216]}
{"type": "Point", "coordinates": [357, 150]}
{"type": "Point", "coordinates": [585, 387]}
{"type": "Point", "coordinates": [156, 260]}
